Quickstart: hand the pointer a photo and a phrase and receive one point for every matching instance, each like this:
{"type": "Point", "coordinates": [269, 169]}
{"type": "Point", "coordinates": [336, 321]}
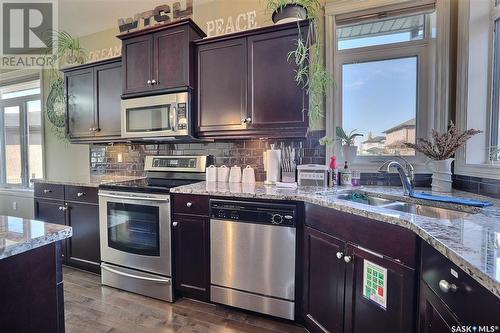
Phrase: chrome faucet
{"type": "Point", "coordinates": [407, 176]}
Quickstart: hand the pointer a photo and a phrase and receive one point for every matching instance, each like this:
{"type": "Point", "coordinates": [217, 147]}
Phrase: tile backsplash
{"type": "Point", "coordinates": [128, 159]}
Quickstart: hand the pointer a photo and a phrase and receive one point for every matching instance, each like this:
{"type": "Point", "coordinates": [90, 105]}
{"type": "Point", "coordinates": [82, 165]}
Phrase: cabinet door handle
{"type": "Point", "coordinates": [92, 129]}
{"type": "Point", "coordinates": [80, 194]}
{"type": "Point", "coordinates": [347, 259]}
{"type": "Point", "coordinates": [153, 82]}
{"type": "Point", "coordinates": [47, 191]}
{"type": "Point", "coordinates": [63, 208]}
{"type": "Point", "coordinates": [445, 286]}
{"type": "Point", "coordinates": [149, 82]}
{"type": "Point", "coordinates": [248, 120]}
{"type": "Point", "coordinates": [175, 224]}
{"type": "Point", "coordinates": [340, 255]}
{"type": "Point", "coordinates": [243, 121]}
{"type": "Point", "coordinates": [189, 204]}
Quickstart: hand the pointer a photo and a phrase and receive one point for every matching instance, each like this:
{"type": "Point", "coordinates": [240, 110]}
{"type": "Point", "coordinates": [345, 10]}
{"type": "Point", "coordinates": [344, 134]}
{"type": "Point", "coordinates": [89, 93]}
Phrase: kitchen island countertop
{"type": "Point", "coordinates": [18, 235]}
{"type": "Point", "coordinates": [471, 242]}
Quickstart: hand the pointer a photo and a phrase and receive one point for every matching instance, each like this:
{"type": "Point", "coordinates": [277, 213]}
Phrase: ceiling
{"type": "Point", "coordinates": [85, 17]}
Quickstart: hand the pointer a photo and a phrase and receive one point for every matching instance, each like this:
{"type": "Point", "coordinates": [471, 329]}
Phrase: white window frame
{"type": "Point", "coordinates": [483, 141]}
{"type": "Point", "coordinates": [18, 76]}
{"type": "Point", "coordinates": [436, 105]}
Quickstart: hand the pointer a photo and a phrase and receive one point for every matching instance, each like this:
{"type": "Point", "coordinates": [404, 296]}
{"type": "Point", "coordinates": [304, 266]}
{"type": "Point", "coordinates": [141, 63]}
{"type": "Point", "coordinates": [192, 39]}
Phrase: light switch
{"type": "Point", "coordinates": [14, 205]}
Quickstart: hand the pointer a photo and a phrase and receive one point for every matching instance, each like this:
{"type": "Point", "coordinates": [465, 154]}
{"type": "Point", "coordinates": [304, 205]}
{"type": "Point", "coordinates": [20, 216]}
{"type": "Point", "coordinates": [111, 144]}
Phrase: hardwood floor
{"type": "Point", "coordinates": [90, 307]}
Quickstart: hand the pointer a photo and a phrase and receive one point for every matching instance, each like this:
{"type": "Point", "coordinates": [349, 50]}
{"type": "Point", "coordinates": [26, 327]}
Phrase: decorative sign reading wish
{"type": "Point", "coordinates": [162, 14]}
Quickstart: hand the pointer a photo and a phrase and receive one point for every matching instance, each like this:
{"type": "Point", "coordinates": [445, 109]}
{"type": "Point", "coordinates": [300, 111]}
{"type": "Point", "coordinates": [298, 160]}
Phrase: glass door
{"type": "Point", "coordinates": [134, 228]}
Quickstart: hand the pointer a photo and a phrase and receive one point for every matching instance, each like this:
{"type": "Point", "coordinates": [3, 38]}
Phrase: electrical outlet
{"type": "Point", "coordinates": [14, 205]}
{"type": "Point", "coordinates": [120, 158]}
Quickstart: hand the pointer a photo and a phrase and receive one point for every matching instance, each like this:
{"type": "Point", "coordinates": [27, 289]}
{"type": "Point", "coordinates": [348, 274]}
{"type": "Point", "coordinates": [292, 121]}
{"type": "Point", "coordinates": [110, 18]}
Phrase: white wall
{"type": "Point", "coordinates": [17, 203]}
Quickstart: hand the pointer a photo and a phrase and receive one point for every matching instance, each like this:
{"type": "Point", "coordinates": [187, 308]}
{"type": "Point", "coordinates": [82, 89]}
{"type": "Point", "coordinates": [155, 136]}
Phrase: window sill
{"type": "Point", "coordinates": [491, 171]}
{"type": "Point", "coordinates": [17, 192]}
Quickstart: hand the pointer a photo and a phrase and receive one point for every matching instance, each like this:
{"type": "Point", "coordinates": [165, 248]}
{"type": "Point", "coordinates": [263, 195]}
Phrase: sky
{"type": "Point", "coordinates": [380, 94]}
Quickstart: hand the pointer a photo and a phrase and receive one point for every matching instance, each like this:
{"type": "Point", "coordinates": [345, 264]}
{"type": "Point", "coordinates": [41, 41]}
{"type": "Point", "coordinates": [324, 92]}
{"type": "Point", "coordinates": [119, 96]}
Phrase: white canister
{"type": "Point", "coordinates": [223, 174]}
{"type": "Point", "coordinates": [248, 175]}
{"type": "Point", "coordinates": [235, 174]}
{"type": "Point", "coordinates": [211, 173]}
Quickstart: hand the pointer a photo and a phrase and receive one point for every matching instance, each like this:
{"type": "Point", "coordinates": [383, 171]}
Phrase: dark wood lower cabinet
{"type": "Point", "coordinates": [83, 249]}
{"type": "Point", "coordinates": [191, 235]}
{"type": "Point", "coordinates": [31, 291]}
{"type": "Point", "coordinates": [435, 317]}
{"type": "Point", "coordinates": [363, 315]}
{"type": "Point", "coordinates": [51, 211]}
{"type": "Point", "coordinates": [323, 300]}
{"type": "Point", "coordinates": [334, 276]}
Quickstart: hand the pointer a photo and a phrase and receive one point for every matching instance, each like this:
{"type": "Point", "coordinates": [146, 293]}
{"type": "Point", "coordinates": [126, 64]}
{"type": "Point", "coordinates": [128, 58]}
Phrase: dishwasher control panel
{"type": "Point", "coordinates": [254, 212]}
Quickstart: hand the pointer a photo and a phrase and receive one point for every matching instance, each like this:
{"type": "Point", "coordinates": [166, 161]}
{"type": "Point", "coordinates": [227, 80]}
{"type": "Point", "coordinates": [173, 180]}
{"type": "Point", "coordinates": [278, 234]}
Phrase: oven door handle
{"type": "Point", "coordinates": [105, 267]}
{"type": "Point", "coordinates": [116, 196]}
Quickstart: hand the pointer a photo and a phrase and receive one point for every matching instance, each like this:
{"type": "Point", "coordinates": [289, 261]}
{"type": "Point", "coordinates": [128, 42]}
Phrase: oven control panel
{"type": "Point", "coordinates": [176, 163]}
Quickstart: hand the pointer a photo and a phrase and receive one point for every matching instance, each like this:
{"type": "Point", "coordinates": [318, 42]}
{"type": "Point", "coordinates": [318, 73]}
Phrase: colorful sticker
{"type": "Point", "coordinates": [375, 283]}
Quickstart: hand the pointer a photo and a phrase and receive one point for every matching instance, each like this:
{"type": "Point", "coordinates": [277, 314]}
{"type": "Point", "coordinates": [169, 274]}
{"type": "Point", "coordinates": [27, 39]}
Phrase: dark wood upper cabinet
{"type": "Point", "coordinates": [323, 300]}
{"type": "Point", "coordinates": [107, 78]}
{"type": "Point", "coordinates": [137, 59]}
{"type": "Point", "coordinates": [275, 98]}
{"type": "Point", "coordinates": [246, 86]}
{"type": "Point", "coordinates": [159, 59]}
{"type": "Point", "coordinates": [222, 68]}
{"type": "Point", "coordinates": [80, 103]}
{"type": "Point", "coordinates": [93, 101]}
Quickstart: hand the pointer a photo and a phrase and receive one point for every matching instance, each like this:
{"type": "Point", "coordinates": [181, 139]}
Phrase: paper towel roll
{"type": "Point", "coordinates": [273, 160]}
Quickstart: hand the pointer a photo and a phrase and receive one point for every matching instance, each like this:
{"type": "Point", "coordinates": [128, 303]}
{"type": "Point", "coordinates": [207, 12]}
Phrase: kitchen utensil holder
{"type": "Point", "coordinates": [288, 177]}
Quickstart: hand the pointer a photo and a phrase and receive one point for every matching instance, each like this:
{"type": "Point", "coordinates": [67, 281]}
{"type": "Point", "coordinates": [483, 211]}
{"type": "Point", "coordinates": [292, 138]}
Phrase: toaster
{"type": "Point", "coordinates": [312, 175]}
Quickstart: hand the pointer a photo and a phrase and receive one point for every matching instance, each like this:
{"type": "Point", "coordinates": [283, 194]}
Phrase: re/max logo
{"type": "Point", "coordinates": [474, 329]}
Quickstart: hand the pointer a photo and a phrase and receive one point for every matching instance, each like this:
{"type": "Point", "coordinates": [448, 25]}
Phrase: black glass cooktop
{"type": "Point", "coordinates": [147, 185]}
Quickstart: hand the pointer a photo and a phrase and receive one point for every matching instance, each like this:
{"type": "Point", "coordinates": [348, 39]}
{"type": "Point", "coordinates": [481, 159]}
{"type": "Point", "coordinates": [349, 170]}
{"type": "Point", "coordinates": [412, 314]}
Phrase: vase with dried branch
{"type": "Point", "coordinates": [440, 150]}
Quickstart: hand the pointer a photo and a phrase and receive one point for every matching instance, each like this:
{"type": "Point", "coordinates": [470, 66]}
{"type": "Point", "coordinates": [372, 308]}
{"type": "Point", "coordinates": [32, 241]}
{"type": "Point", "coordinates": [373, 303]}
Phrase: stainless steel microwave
{"type": "Point", "coordinates": [156, 116]}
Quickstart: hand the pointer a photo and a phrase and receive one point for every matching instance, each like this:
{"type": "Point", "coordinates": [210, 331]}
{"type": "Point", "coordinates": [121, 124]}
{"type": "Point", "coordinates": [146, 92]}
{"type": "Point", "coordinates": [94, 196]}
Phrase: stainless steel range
{"type": "Point", "coordinates": [135, 225]}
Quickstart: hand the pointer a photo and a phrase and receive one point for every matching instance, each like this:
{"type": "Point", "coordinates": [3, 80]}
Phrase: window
{"type": "Point", "coordinates": [494, 154]}
{"type": "Point", "coordinates": [383, 66]}
{"type": "Point", "coordinates": [21, 133]}
{"type": "Point", "coordinates": [370, 91]}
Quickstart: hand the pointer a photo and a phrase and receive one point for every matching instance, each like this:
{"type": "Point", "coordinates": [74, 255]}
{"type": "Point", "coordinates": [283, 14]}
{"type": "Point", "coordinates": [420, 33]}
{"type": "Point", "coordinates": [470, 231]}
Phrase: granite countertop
{"type": "Point", "coordinates": [89, 181]}
{"type": "Point", "coordinates": [18, 235]}
{"type": "Point", "coordinates": [471, 242]}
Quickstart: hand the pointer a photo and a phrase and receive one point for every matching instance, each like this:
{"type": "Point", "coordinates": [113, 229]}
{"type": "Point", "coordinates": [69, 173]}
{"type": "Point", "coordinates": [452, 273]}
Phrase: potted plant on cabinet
{"type": "Point", "coordinates": [349, 150]}
{"type": "Point", "coordinates": [307, 56]}
{"type": "Point", "coordinates": [440, 149]}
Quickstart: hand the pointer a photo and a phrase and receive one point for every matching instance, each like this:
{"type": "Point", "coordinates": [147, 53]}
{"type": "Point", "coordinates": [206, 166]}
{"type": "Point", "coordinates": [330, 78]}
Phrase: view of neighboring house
{"type": "Point", "coordinates": [392, 143]}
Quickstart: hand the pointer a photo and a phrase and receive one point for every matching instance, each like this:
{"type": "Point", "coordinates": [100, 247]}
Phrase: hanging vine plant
{"type": "Point", "coordinates": [310, 71]}
{"type": "Point", "coordinates": [68, 52]}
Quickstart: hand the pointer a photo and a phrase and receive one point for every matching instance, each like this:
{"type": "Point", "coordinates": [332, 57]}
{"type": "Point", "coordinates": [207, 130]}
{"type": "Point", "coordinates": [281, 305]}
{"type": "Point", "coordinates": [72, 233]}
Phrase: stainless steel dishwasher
{"type": "Point", "coordinates": [252, 248]}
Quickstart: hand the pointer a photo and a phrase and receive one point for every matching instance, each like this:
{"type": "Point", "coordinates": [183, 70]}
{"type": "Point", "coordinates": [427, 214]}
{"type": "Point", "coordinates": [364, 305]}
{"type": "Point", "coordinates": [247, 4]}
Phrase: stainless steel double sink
{"type": "Point", "coordinates": [397, 205]}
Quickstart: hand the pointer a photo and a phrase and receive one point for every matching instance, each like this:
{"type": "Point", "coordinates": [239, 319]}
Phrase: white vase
{"type": "Point", "coordinates": [441, 175]}
{"type": "Point", "coordinates": [349, 153]}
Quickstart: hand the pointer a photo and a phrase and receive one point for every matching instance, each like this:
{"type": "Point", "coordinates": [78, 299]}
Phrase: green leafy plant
{"type": "Point", "coordinates": [69, 51]}
{"type": "Point", "coordinates": [310, 71]}
{"type": "Point", "coordinates": [326, 141]}
{"type": "Point", "coordinates": [346, 139]}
